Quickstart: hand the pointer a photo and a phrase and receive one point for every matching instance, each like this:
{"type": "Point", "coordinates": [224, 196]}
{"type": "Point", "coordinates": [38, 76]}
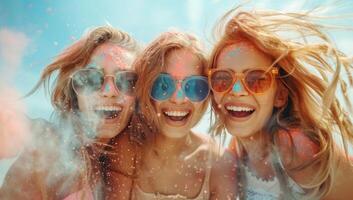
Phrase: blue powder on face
{"type": "Point", "coordinates": [234, 52]}
{"type": "Point", "coordinates": [180, 94]}
{"type": "Point", "coordinates": [107, 88]}
{"type": "Point", "coordinates": [237, 87]}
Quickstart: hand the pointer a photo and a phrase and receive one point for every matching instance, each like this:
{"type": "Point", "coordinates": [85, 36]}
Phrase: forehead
{"type": "Point", "coordinates": [109, 55]}
{"type": "Point", "coordinates": [243, 56]}
{"type": "Point", "coordinates": [182, 63]}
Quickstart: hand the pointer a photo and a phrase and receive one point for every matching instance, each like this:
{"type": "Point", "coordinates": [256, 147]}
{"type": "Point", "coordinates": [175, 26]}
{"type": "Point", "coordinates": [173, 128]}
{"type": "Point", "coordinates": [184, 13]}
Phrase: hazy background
{"type": "Point", "coordinates": [32, 33]}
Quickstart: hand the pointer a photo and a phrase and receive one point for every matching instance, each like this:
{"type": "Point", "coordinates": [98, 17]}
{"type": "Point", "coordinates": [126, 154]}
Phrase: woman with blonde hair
{"type": "Point", "coordinates": [93, 98]}
{"type": "Point", "coordinates": [174, 162]}
{"type": "Point", "coordinates": [274, 78]}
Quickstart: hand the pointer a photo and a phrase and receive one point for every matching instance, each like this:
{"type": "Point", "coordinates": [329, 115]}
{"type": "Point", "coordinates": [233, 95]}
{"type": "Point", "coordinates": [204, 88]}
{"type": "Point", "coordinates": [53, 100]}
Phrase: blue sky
{"type": "Point", "coordinates": [42, 29]}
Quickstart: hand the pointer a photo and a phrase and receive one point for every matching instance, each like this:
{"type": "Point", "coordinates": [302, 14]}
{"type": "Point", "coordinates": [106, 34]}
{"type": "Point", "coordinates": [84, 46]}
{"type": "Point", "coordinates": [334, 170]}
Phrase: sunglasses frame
{"type": "Point", "coordinates": [241, 76]}
{"type": "Point", "coordinates": [183, 82]}
{"type": "Point", "coordinates": [104, 77]}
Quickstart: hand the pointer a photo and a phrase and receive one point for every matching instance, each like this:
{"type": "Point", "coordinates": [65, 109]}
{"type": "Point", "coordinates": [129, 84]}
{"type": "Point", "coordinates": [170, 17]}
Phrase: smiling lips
{"type": "Point", "coordinates": [239, 111]}
{"type": "Point", "coordinates": [176, 115]}
{"type": "Point", "coordinates": [108, 112]}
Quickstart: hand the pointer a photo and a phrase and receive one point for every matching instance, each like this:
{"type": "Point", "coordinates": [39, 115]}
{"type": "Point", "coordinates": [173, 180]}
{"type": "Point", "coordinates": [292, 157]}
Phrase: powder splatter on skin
{"type": "Point", "coordinates": [180, 93]}
{"type": "Point", "coordinates": [234, 52]}
{"type": "Point", "coordinates": [106, 88]}
{"type": "Point", "coordinates": [237, 87]}
{"type": "Point", "coordinates": [180, 61]}
{"type": "Point", "coordinates": [111, 56]}
{"type": "Point", "coordinates": [241, 46]}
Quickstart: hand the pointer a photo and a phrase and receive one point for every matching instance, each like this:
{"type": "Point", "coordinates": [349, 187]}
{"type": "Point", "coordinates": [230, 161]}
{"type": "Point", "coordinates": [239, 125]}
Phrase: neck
{"type": "Point", "coordinates": [165, 145]}
{"type": "Point", "coordinates": [257, 146]}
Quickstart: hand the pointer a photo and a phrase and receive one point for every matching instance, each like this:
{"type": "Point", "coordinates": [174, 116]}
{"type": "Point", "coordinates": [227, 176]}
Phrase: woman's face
{"type": "Point", "coordinates": [106, 106]}
{"type": "Point", "coordinates": [178, 114]}
{"type": "Point", "coordinates": [245, 112]}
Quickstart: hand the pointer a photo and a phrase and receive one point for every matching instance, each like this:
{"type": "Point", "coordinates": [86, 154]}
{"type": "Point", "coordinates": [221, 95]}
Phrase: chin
{"type": "Point", "coordinates": [239, 132]}
{"type": "Point", "coordinates": [175, 132]}
{"type": "Point", "coordinates": [105, 132]}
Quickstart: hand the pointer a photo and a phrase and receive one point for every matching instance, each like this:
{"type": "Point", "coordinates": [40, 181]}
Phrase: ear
{"type": "Point", "coordinates": [281, 97]}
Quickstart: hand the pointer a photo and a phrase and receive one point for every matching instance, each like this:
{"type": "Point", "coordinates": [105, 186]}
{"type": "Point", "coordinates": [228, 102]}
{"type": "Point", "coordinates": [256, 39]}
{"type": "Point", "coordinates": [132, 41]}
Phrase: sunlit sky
{"type": "Point", "coordinates": [32, 33]}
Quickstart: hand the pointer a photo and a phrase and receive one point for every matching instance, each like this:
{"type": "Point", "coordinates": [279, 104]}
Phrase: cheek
{"type": "Point", "coordinates": [199, 106]}
{"type": "Point", "coordinates": [129, 100]}
{"type": "Point", "coordinates": [217, 97]}
{"type": "Point", "coordinates": [156, 105]}
{"type": "Point", "coordinates": [85, 103]}
{"type": "Point", "coordinates": [198, 110]}
{"type": "Point", "coordinates": [266, 99]}
{"type": "Point", "coordinates": [82, 103]}
{"type": "Point", "coordinates": [266, 104]}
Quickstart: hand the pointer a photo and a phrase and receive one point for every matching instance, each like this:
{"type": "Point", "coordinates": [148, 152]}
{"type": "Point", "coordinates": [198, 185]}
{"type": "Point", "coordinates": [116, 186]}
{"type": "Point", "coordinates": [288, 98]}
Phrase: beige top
{"type": "Point", "coordinates": [139, 194]}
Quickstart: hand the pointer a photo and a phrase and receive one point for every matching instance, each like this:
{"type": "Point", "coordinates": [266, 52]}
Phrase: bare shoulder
{"type": "Point", "coordinates": [223, 173]}
{"type": "Point", "coordinates": [33, 164]}
{"type": "Point", "coordinates": [296, 148]}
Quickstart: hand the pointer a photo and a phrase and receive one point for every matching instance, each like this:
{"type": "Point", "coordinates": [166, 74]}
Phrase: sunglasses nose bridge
{"type": "Point", "coordinates": [238, 76]}
{"type": "Point", "coordinates": [178, 95]}
{"type": "Point", "coordinates": [109, 88]}
{"type": "Point", "coordinates": [238, 87]}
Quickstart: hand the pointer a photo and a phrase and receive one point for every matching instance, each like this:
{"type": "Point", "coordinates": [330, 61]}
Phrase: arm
{"type": "Point", "coordinates": [223, 183]}
{"type": "Point", "coordinates": [21, 180]}
{"type": "Point", "coordinates": [26, 178]}
{"type": "Point", "coordinates": [120, 171]}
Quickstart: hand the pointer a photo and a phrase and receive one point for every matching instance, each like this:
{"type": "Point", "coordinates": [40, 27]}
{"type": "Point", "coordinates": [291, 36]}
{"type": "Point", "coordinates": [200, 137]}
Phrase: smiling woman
{"type": "Point", "coordinates": [105, 89]}
{"type": "Point", "coordinates": [283, 116]}
{"type": "Point", "coordinates": [93, 97]}
{"type": "Point", "coordinates": [174, 162]}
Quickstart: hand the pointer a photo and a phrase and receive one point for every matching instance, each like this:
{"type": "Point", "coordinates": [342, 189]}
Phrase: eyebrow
{"type": "Point", "coordinates": [178, 78]}
{"type": "Point", "coordinates": [243, 71]}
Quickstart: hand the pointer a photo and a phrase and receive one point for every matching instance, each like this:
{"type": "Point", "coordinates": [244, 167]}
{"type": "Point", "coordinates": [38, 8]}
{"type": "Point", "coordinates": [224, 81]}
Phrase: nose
{"type": "Point", "coordinates": [238, 89]}
{"type": "Point", "coordinates": [108, 88]}
{"type": "Point", "coordinates": [178, 96]}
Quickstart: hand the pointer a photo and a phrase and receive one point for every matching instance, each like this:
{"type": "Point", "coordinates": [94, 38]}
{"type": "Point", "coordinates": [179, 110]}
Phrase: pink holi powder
{"type": "Point", "coordinates": [110, 55]}
{"type": "Point", "coordinates": [85, 193]}
{"type": "Point", "coordinates": [14, 126]}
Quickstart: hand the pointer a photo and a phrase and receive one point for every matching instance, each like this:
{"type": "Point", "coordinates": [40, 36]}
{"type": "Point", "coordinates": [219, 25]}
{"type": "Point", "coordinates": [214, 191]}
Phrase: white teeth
{"type": "Point", "coordinates": [239, 109]}
{"type": "Point", "coordinates": [108, 108]}
{"type": "Point", "coordinates": [176, 113]}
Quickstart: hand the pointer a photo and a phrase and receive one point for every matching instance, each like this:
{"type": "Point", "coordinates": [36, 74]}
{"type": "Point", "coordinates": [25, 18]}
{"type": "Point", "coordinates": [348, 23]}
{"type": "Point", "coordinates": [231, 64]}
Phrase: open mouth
{"type": "Point", "coordinates": [177, 115]}
{"type": "Point", "coordinates": [108, 112]}
{"type": "Point", "coordinates": [240, 111]}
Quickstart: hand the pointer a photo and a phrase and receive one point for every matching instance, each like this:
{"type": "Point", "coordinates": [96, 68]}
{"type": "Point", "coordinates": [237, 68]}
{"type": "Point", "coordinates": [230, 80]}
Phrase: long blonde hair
{"type": "Point", "coordinates": [311, 71]}
{"type": "Point", "coordinates": [152, 62]}
{"type": "Point", "coordinates": [64, 99]}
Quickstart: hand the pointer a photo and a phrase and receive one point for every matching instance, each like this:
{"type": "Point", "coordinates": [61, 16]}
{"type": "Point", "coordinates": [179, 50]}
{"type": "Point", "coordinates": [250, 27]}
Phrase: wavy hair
{"type": "Point", "coordinates": [152, 62]}
{"type": "Point", "coordinates": [311, 68]}
{"type": "Point", "coordinates": [64, 99]}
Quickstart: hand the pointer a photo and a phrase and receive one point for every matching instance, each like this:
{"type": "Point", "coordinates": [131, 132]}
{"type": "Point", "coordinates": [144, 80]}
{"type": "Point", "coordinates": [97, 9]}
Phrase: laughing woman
{"type": "Point", "coordinates": [93, 98]}
{"type": "Point", "coordinates": [275, 93]}
{"type": "Point", "coordinates": [174, 161]}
